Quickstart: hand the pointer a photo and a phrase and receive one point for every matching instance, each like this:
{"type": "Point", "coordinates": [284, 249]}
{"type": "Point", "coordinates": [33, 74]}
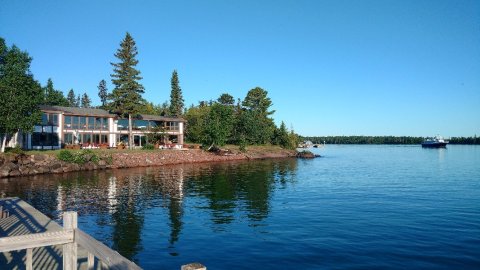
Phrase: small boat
{"type": "Point", "coordinates": [435, 142]}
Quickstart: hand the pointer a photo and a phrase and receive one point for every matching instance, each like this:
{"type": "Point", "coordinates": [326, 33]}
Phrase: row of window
{"type": "Point", "coordinates": [50, 119]}
{"type": "Point", "coordinates": [148, 125]}
{"type": "Point", "coordinates": [85, 138]}
{"type": "Point", "coordinates": [83, 122]}
{"type": "Point", "coordinates": [44, 139]}
{"type": "Point", "coordinates": [101, 123]}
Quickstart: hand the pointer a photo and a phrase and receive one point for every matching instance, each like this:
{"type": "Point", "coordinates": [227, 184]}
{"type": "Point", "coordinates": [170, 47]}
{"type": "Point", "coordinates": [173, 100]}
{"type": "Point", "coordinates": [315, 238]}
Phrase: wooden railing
{"type": "Point", "coordinates": [70, 237]}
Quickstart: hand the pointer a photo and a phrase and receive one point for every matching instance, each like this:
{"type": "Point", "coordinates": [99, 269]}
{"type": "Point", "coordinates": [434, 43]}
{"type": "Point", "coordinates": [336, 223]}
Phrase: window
{"type": "Point", "coordinates": [91, 122]}
{"type": "Point", "coordinates": [105, 124]}
{"type": "Point", "coordinates": [54, 119]}
{"type": "Point", "coordinates": [140, 124]}
{"type": "Point", "coordinates": [68, 122]}
{"type": "Point", "coordinates": [44, 118]}
{"type": "Point", "coordinates": [98, 123]}
{"type": "Point", "coordinates": [172, 126]}
{"type": "Point", "coordinates": [83, 122]}
{"type": "Point", "coordinates": [87, 138]}
{"type": "Point", "coordinates": [68, 138]}
{"type": "Point", "coordinates": [104, 138]}
{"type": "Point", "coordinates": [75, 122]}
{"type": "Point", "coordinates": [123, 124]}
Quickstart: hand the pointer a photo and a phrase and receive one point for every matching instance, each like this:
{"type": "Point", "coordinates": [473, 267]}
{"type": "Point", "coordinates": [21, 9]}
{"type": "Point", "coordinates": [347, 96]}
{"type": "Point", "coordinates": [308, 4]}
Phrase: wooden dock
{"type": "Point", "coordinates": [31, 240]}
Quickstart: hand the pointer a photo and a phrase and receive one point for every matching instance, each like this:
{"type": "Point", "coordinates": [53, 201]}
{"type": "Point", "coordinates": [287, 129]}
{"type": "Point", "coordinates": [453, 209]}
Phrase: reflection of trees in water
{"type": "Point", "coordinates": [244, 186]}
{"type": "Point", "coordinates": [128, 217]}
{"type": "Point", "coordinates": [117, 199]}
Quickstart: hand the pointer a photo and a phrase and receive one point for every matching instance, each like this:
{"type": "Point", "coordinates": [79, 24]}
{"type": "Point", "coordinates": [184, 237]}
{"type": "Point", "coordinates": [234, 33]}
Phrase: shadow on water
{"type": "Point", "coordinates": [113, 204]}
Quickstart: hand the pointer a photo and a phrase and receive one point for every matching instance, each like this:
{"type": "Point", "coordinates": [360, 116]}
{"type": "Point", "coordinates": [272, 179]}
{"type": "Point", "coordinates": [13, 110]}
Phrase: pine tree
{"type": "Point", "coordinates": [176, 98]}
{"type": "Point", "coordinates": [20, 93]}
{"type": "Point", "coordinates": [53, 97]}
{"type": "Point", "coordinates": [86, 102]}
{"type": "Point", "coordinates": [71, 98]}
{"type": "Point", "coordinates": [77, 102]}
{"type": "Point", "coordinates": [103, 92]}
{"type": "Point", "coordinates": [127, 95]}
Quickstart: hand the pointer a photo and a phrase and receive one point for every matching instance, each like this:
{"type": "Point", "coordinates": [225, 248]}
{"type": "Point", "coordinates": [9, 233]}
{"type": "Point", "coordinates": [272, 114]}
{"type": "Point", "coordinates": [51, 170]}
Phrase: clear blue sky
{"type": "Point", "coordinates": [330, 67]}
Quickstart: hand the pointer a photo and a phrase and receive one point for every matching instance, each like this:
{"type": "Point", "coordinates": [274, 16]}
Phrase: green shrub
{"type": "Point", "coordinates": [65, 155]}
{"type": "Point", "coordinates": [79, 157]}
{"type": "Point", "coordinates": [14, 150]}
{"type": "Point", "coordinates": [148, 147]}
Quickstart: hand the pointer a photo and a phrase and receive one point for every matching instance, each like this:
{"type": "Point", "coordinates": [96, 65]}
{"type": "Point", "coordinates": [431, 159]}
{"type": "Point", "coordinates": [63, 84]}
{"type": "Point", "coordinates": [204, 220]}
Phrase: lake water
{"type": "Point", "coordinates": [358, 207]}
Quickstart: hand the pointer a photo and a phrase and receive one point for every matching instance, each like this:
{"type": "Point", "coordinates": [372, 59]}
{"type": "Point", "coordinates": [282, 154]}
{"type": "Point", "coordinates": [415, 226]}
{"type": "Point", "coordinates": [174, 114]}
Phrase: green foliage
{"type": "Point", "coordinates": [364, 139]}
{"type": "Point", "coordinates": [242, 144]}
{"type": "Point", "coordinates": [126, 97]}
{"type": "Point", "coordinates": [81, 157]}
{"type": "Point", "coordinates": [195, 130]}
{"type": "Point", "coordinates": [226, 99]}
{"type": "Point", "coordinates": [72, 102]}
{"type": "Point", "coordinates": [20, 93]}
{"type": "Point", "coordinates": [176, 97]}
{"type": "Point", "coordinates": [218, 125]}
{"type": "Point", "coordinates": [254, 122]}
{"type": "Point", "coordinates": [53, 97]}
{"type": "Point", "coordinates": [103, 92]}
{"type": "Point", "coordinates": [86, 101]}
{"type": "Point", "coordinates": [257, 101]}
{"type": "Point", "coordinates": [148, 147]}
{"type": "Point", "coordinates": [465, 140]}
{"type": "Point", "coordinates": [66, 156]}
{"type": "Point", "coordinates": [15, 150]}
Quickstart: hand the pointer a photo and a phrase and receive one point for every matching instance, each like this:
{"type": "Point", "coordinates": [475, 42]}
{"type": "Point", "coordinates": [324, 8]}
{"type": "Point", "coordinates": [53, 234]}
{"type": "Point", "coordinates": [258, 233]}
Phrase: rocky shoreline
{"type": "Point", "coordinates": [21, 164]}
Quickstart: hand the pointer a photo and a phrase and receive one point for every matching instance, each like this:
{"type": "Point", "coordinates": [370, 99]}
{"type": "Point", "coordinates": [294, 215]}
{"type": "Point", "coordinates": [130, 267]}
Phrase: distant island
{"type": "Point", "coordinates": [383, 140]}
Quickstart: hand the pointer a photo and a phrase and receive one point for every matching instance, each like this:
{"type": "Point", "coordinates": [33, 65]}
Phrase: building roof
{"type": "Point", "coordinates": [77, 111]}
{"type": "Point", "coordinates": [101, 112]}
{"type": "Point", "coordinates": [160, 118]}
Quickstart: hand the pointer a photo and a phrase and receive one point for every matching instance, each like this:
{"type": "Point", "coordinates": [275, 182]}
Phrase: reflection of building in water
{"type": "Point", "coordinates": [112, 194]}
{"type": "Point", "coordinates": [60, 199]}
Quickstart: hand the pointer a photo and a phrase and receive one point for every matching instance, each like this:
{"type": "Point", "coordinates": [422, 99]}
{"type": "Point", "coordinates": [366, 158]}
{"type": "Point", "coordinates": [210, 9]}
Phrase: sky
{"type": "Point", "coordinates": [401, 68]}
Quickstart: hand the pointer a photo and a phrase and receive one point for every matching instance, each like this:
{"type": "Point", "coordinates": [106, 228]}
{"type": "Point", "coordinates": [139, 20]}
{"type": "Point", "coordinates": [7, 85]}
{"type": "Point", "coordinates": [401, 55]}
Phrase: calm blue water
{"type": "Point", "coordinates": [358, 207]}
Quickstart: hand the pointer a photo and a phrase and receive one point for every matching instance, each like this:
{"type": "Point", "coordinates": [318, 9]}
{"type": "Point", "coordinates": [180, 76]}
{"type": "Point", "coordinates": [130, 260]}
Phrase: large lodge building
{"type": "Point", "coordinates": [92, 128]}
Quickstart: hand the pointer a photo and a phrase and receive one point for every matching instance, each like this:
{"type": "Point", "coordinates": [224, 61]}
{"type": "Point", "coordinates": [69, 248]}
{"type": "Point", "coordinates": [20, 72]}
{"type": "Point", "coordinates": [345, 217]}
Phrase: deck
{"type": "Point", "coordinates": [31, 240]}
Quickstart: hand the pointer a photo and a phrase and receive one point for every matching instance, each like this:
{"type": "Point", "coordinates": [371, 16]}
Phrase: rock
{"type": "Point", "coordinates": [306, 154]}
{"type": "Point", "coordinates": [38, 158]}
{"type": "Point", "coordinates": [7, 168]}
{"type": "Point", "coordinates": [15, 173]}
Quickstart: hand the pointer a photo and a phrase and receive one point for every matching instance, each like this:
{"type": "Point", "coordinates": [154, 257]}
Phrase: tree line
{"type": "Point", "coordinates": [246, 122]}
{"type": "Point", "coordinates": [383, 140]}
{"type": "Point", "coordinates": [210, 123]}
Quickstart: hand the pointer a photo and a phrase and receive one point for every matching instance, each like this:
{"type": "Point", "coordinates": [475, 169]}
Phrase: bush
{"type": "Point", "coordinates": [148, 147]}
{"type": "Point", "coordinates": [14, 150]}
{"type": "Point", "coordinates": [65, 155]}
{"type": "Point", "coordinates": [79, 157]}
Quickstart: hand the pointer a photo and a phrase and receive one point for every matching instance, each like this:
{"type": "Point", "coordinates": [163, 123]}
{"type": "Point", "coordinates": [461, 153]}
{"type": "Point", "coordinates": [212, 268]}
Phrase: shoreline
{"type": "Point", "coordinates": [14, 165]}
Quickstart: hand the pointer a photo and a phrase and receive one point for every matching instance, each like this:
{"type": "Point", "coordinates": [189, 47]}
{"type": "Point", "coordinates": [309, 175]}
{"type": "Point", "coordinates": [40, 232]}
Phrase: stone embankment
{"type": "Point", "coordinates": [17, 165]}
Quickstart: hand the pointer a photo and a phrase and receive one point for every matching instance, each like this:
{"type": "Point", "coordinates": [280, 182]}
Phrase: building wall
{"type": "Point", "coordinates": [27, 141]}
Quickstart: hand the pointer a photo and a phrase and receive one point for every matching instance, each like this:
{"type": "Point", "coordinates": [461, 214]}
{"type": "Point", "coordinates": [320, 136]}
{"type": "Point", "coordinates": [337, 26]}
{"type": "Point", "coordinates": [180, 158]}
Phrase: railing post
{"type": "Point", "coordinates": [194, 266]}
{"type": "Point", "coordinates": [70, 250]}
{"type": "Point", "coordinates": [29, 261]}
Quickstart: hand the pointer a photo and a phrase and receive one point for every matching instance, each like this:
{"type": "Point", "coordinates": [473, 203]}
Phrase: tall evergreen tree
{"type": "Point", "coordinates": [86, 101]}
{"type": "Point", "coordinates": [72, 102]}
{"type": "Point", "coordinates": [103, 92]}
{"type": "Point", "coordinates": [258, 127]}
{"type": "Point", "coordinates": [20, 93]}
{"type": "Point", "coordinates": [226, 99]}
{"type": "Point", "coordinates": [54, 97]}
{"type": "Point", "coordinates": [127, 95]}
{"type": "Point", "coordinates": [176, 97]}
{"type": "Point", "coordinates": [78, 101]}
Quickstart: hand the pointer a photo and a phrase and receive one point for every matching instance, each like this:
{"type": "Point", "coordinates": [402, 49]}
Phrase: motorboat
{"type": "Point", "coordinates": [435, 142]}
